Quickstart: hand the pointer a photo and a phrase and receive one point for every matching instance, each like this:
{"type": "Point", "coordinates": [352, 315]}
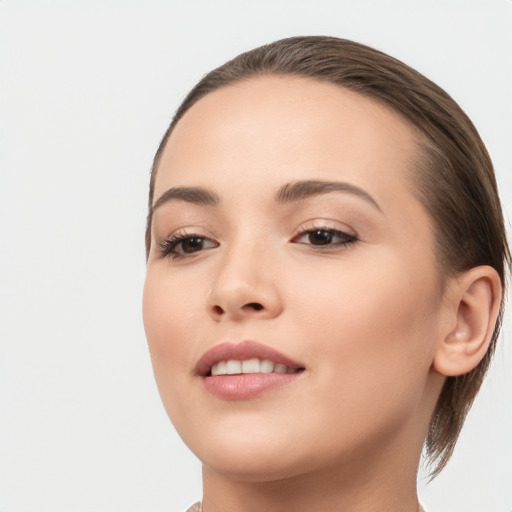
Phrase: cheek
{"type": "Point", "coordinates": [374, 329]}
{"type": "Point", "coordinates": [168, 315]}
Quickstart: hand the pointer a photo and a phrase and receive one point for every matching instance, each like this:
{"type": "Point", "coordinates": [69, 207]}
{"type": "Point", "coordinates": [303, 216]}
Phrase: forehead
{"type": "Point", "coordinates": [276, 129]}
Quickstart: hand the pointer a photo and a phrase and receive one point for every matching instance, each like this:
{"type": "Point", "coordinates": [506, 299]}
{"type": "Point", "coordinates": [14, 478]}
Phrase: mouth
{"type": "Point", "coordinates": [236, 371]}
{"type": "Point", "coordinates": [255, 365]}
{"type": "Point", "coordinates": [243, 358]}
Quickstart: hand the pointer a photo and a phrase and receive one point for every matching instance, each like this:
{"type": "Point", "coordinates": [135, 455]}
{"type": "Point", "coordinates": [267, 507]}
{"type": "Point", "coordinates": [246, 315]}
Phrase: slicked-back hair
{"type": "Point", "coordinates": [453, 176]}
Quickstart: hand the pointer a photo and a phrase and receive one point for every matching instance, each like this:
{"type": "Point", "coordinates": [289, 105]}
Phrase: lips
{"type": "Point", "coordinates": [237, 371]}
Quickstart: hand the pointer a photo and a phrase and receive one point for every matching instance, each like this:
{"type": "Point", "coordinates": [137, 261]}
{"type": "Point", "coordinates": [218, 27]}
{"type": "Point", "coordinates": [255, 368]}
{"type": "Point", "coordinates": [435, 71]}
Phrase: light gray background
{"type": "Point", "coordinates": [87, 89]}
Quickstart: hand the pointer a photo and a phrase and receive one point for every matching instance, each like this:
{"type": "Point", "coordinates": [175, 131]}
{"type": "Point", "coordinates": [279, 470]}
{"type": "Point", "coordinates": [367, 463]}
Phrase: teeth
{"type": "Point", "coordinates": [266, 366]}
{"type": "Point", "coordinates": [234, 367]}
{"type": "Point", "coordinates": [251, 366]}
{"type": "Point", "coordinates": [280, 368]}
{"type": "Point", "coordinates": [219, 368]}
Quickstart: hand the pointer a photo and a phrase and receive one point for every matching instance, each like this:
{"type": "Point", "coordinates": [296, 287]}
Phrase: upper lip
{"type": "Point", "coordinates": [241, 351]}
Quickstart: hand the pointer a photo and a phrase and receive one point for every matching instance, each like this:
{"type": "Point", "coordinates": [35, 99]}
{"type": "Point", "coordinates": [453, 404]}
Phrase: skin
{"type": "Point", "coordinates": [368, 319]}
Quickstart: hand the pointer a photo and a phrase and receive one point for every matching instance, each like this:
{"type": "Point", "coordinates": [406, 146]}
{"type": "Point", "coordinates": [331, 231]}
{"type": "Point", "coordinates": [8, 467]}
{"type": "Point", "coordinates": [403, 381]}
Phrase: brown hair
{"type": "Point", "coordinates": [454, 179]}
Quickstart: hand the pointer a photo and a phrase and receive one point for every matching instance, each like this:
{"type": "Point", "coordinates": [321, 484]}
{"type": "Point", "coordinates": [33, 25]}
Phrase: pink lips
{"type": "Point", "coordinates": [249, 385]}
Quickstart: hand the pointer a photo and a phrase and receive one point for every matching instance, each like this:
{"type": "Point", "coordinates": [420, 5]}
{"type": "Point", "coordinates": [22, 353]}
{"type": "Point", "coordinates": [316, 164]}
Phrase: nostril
{"type": "Point", "coordinates": [254, 305]}
{"type": "Point", "coordinates": [218, 310]}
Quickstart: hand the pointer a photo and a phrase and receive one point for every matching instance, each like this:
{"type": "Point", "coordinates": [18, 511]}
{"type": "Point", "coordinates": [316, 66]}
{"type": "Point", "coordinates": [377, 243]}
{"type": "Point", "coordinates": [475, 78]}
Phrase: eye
{"type": "Point", "coordinates": [183, 245]}
{"type": "Point", "coordinates": [324, 237]}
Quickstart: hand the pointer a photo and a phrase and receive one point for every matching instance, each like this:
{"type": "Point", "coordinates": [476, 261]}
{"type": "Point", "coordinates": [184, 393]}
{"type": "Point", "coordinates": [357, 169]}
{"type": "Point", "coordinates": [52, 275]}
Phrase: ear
{"type": "Point", "coordinates": [476, 297]}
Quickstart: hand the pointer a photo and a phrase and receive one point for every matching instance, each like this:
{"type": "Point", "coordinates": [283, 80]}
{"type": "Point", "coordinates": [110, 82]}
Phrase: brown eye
{"type": "Point", "coordinates": [320, 237]}
{"type": "Point", "coordinates": [181, 246]}
{"type": "Point", "coordinates": [325, 237]}
{"type": "Point", "coordinates": [192, 244]}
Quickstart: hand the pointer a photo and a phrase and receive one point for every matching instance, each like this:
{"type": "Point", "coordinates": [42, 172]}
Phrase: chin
{"type": "Point", "coordinates": [254, 465]}
{"type": "Point", "coordinates": [256, 453]}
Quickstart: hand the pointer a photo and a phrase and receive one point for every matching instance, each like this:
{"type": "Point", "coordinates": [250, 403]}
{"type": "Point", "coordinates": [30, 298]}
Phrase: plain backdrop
{"type": "Point", "coordinates": [87, 89]}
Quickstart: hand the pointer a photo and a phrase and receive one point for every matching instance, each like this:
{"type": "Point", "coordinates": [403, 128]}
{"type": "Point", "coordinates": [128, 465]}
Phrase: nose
{"type": "Point", "coordinates": [244, 287]}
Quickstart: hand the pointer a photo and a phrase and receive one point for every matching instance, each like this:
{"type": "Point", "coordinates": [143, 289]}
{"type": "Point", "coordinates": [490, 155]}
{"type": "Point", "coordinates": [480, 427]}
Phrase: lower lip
{"type": "Point", "coordinates": [248, 385]}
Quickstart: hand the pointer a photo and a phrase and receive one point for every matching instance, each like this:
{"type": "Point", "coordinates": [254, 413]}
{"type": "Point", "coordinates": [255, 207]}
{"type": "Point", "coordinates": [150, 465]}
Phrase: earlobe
{"type": "Point", "coordinates": [476, 296]}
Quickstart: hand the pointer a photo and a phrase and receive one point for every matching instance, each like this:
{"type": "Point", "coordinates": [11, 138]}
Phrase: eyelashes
{"type": "Point", "coordinates": [325, 237]}
{"type": "Point", "coordinates": [181, 245]}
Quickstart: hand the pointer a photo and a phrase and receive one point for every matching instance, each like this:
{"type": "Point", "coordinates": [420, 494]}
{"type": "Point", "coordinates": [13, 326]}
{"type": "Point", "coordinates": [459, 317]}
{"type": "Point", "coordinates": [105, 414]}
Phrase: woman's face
{"type": "Point", "coordinates": [287, 231]}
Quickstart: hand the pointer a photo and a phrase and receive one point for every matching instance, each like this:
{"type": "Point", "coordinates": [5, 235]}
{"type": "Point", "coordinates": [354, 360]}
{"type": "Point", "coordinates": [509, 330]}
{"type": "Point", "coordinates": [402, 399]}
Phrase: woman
{"type": "Point", "coordinates": [325, 280]}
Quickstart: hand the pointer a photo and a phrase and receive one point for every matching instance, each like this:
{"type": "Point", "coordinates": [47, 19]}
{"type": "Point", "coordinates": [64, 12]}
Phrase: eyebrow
{"type": "Point", "coordinates": [288, 193]}
{"type": "Point", "coordinates": [194, 195]}
{"type": "Point", "coordinates": [300, 190]}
